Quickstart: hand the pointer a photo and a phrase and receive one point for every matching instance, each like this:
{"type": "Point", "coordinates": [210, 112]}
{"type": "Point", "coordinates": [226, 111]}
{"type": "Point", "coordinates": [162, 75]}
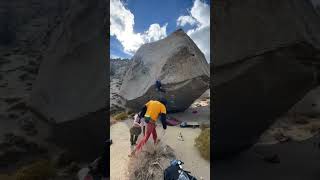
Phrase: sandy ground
{"type": "Point", "coordinates": [119, 151]}
{"type": "Point", "coordinates": [199, 112]}
{"type": "Point", "coordinates": [184, 150]}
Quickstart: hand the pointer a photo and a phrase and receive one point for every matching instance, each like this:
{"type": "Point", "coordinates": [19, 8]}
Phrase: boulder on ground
{"type": "Point", "coordinates": [263, 55]}
{"type": "Point", "coordinates": [71, 88]}
{"type": "Point", "coordinates": [177, 62]}
{"type": "Point", "coordinates": [72, 77]}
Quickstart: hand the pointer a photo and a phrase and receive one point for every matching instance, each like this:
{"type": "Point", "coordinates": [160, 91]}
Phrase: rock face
{"type": "Point", "coordinates": [177, 62]}
{"type": "Point", "coordinates": [54, 62]}
{"type": "Point", "coordinates": [309, 105]}
{"type": "Point", "coordinates": [118, 69]}
{"type": "Point", "coordinates": [263, 60]}
{"type": "Point", "coordinates": [71, 80]}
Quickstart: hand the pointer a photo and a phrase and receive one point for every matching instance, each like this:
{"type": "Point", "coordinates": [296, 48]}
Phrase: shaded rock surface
{"type": "Point", "coordinates": [264, 64]}
{"type": "Point", "coordinates": [118, 69]}
{"type": "Point", "coordinates": [177, 62]}
{"type": "Point", "coordinates": [58, 45]}
{"type": "Point", "coordinates": [310, 104]}
{"type": "Point", "coordinates": [71, 80]}
{"type": "Point", "coordinates": [293, 156]}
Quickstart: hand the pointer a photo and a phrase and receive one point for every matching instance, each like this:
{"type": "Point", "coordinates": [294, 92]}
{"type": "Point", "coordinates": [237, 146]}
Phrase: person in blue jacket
{"type": "Point", "coordinates": [158, 86]}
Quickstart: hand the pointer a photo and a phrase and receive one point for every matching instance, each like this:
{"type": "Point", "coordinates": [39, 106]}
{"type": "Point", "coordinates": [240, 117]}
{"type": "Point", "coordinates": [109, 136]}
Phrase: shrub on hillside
{"type": "Point", "coordinates": [202, 142]}
{"type": "Point", "coordinates": [121, 116]}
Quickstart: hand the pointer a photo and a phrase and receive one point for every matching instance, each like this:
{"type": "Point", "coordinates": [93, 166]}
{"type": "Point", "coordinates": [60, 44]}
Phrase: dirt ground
{"type": "Point", "coordinates": [198, 113]}
{"type": "Point", "coordinates": [184, 150]}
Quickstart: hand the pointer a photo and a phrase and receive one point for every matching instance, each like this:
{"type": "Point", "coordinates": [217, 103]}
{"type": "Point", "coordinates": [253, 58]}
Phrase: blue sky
{"type": "Point", "coordinates": [135, 22]}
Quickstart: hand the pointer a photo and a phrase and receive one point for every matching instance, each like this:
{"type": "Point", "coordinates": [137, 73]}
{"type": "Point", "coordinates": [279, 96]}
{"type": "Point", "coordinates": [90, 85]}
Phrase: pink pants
{"type": "Point", "coordinates": [151, 129]}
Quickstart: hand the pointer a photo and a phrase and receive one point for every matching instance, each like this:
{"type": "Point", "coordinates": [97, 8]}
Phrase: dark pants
{"type": "Point", "coordinates": [134, 134]}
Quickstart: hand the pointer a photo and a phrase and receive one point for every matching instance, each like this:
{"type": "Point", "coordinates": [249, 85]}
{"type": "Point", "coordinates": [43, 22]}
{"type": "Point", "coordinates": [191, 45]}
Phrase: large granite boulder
{"type": "Point", "coordinates": [72, 77]}
{"type": "Point", "coordinates": [71, 87]}
{"type": "Point", "coordinates": [54, 62]}
{"type": "Point", "coordinates": [263, 53]}
{"type": "Point", "coordinates": [177, 62]}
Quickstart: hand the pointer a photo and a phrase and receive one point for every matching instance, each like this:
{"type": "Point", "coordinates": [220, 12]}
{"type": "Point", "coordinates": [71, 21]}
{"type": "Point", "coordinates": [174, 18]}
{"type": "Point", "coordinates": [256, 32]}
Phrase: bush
{"type": "Point", "coordinates": [150, 163]}
{"type": "Point", "coordinates": [202, 142]}
{"type": "Point", "coordinates": [203, 126]}
{"type": "Point", "coordinates": [121, 116]}
{"type": "Point", "coordinates": [39, 170]}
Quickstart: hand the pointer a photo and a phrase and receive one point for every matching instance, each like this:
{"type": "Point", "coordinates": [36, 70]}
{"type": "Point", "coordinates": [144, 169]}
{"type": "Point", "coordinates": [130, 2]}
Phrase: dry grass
{"type": "Point", "coordinates": [112, 121]}
{"type": "Point", "coordinates": [120, 116]}
{"type": "Point", "coordinates": [202, 142]}
{"type": "Point", "coordinates": [203, 126]}
{"type": "Point", "coordinates": [39, 170]}
{"type": "Point", "coordinates": [150, 163]}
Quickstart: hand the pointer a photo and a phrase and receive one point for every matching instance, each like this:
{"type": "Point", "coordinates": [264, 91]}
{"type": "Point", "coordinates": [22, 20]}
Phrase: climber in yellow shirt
{"type": "Point", "coordinates": [151, 112]}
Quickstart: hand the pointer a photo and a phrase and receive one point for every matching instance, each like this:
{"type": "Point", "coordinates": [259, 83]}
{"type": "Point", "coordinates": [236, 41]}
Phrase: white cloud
{"type": "Point", "coordinates": [183, 20]}
{"type": "Point", "coordinates": [121, 26]}
{"type": "Point", "coordinates": [201, 12]}
{"type": "Point", "coordinates": [155, 33]}
{"type": "Point", "coordinates": [114, 56]}
{"type": "Point", "coordinates": [200, 34]}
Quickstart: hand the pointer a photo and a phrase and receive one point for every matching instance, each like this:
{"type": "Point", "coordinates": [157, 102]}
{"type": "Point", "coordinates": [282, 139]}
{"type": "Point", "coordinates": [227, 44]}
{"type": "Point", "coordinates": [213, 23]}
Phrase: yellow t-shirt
{"type": "Point", "coordinates": [154, 108]}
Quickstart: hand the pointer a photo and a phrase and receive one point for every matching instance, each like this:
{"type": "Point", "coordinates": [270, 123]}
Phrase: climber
{"type": "Point", "coordinates": [151, 112]}
{"type": "Point", "coordinates": [158, 86]}
{"type": "Point", "coordinates": [135, 130]}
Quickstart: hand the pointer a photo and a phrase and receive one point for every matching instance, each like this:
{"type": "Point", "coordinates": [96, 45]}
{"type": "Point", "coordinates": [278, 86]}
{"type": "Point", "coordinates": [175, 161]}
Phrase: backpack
{"type": "Point", "coordinates": [175, 172]}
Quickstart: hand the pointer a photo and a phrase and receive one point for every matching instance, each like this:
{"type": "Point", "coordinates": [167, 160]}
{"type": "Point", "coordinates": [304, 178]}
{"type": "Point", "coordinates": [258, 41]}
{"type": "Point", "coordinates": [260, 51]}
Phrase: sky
{"type": "Point", "coordinates": [136, 22]}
